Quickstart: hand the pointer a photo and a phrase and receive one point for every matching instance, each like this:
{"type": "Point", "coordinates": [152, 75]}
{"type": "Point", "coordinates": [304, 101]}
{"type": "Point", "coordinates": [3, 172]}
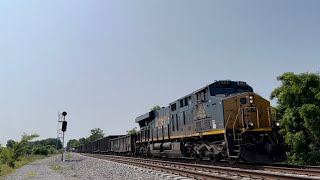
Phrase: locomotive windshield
{"type": "Point", "coordinates": [229, 87]}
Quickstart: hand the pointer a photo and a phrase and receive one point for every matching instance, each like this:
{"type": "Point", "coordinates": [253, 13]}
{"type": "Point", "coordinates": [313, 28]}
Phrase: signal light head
{"type": "Point", "coordinates": [64, 113]}
{"type": "Point", "coordinates": [64, 126]}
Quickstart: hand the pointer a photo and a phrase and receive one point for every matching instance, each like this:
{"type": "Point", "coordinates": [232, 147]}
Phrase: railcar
{"type": "Point", "coordinates": [94, 146]}
{"type": "Point", "coordinates": [224, 120]}
{"type": "Point", "coordinates": [124, 145]}
{"type": "Point", "coordinates": [102, 145]}
{"type": "Point", "coordinates": [105, 144]}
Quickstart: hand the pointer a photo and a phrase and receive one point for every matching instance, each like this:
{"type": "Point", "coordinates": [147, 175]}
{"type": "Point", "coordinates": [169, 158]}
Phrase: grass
{"type": "Point", "coordinates": [56, 168]}
{"type": "Point", "coordinates": [68, 156]}
{"type": "Point", "coordinates": [6, 170]}
{"type": "Point", "coordinates": [31, 174]}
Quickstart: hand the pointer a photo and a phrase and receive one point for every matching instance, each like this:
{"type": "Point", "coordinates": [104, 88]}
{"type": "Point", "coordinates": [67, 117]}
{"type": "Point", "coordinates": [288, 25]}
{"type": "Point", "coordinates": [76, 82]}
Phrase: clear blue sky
{"type": "Point", "coordinates": [107, 62]}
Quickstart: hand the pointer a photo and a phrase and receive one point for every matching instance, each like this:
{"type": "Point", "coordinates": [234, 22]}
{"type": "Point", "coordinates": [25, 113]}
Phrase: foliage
{"type": "Point", "coordinates": [6, 169]}
{"type": "Point", "coordinates": [82, 141]}
{"type": "Point", "coordinates": [47, 142]}
{"type": "Point", "coordinates": [299, 109]}
{"type": "Point", "coordinates": [15, 151]}
{"type": "Point", "coordinates": [41, 150]}
{"type": "Point", "coordinates": [17, 154]}
{"type": "Point", "coordinates": [72, 143]}
{"type": "Point", "coordinates": [10, 143]}
{"type": "Point", "coordinates": [96, 134]}
{"type": "Point", "coordinates": [155, 108]}
{"type": "Point", "coordinates": [132, 131]}
{"type": "Point", "coordinates": [68, 156]}
{"type": "Point", "coordinates": [21, 148]}
{"type": "Point", "coordinates": [6, 157]}
{"type": "Point", "coordinates": [31, 174]}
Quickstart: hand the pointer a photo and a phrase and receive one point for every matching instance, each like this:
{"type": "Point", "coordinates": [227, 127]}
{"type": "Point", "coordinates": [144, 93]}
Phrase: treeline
{"type": "Point", "coordinates": [40, 147]}
{"type": "Point", "coordinates": [96, 134]}
{"type": "Point", "coordinates": [17, 153]}
{"type": "Point", "coordinates": [298, 109]}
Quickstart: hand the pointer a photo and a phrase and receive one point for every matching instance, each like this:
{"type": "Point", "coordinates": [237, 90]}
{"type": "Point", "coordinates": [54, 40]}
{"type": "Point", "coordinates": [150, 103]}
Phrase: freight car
{"type": "Point", "coordinates": [223, 120]}
{"type": "Point", "coordinates": [102, 146]}
{"type": "Point", "coordinates": [124, 145]}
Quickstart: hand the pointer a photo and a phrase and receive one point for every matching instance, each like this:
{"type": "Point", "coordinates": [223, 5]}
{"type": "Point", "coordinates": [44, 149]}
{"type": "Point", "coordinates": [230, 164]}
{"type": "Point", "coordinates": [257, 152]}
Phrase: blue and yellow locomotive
{"type": "Point", "coordinates": [224, 120]}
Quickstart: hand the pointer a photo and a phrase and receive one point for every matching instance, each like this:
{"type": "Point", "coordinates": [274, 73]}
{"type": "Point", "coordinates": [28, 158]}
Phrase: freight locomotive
{"type": "Point", "coordinates": [223, 120]}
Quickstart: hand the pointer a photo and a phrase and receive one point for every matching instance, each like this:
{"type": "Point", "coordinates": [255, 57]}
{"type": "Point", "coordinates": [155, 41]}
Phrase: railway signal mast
{"type": "Point", "coordinates": [62, 119]}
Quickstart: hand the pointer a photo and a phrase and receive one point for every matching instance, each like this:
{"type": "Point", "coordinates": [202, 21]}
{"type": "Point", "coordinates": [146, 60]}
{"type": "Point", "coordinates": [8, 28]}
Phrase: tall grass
{"type": "Point", "coordinates": [6, 169]}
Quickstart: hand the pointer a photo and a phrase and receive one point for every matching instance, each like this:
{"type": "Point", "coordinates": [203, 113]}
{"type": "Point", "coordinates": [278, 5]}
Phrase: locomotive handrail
{"type": "Point", "coordinates": [234, 131]}
{"type": "Point", "coordinates": [269, 118]}
{"type": "Point", "coordinates": [235, 121]}
{"type": "Point", "coordinates": [228, 120]}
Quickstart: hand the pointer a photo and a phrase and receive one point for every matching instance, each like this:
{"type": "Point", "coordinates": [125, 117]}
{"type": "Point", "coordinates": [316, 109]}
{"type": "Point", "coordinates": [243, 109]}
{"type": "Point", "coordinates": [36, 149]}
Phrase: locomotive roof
{"type": "Point", "coordinates": [216, 84]}
{"type": "Point", "coordinates": [149, 115]}
{"type": "Point", "coordinates": [226, 84]}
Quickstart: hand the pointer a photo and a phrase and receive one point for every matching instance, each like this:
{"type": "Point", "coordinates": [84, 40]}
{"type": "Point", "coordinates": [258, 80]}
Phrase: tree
{"type": "Point", "coordinates": [298, 100]}
{"type": "Point", "coordinates": [82, 141]}
{"type": "Point", "coordinates": [10, 143]}
{"type": "Point", "coordinates": [155, 108]}
{"type": "Point", "coordinates": [132, 131]}
{"type": "Point", "coordinates": [96, 134]}
{"type": "Point", "coordinates": [21, 148]}
{"type": "Point", "coordinates": [47, 142]}
{"type": "Point", "coordinates": [72, 143]}
{"type": "Point", "coordinates": [11, 155]}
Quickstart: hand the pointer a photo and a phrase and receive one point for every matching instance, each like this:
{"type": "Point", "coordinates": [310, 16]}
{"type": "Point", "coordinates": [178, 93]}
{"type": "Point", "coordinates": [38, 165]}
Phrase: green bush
{"type": "Point", "coordinates": [51, 149]}
{"type": "Point", "coordinates": [6, 157]}
{"type": "Point", "coordinates": [42, 150]}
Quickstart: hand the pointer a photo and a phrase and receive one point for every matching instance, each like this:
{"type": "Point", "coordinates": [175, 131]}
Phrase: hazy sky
{"type": "Point", "coordinates": [107, 62]}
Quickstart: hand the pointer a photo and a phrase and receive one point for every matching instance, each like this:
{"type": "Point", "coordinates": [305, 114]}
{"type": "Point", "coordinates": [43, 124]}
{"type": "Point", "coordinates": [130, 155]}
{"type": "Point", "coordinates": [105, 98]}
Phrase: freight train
{"type": "Point", "coordinates": [223, 120]}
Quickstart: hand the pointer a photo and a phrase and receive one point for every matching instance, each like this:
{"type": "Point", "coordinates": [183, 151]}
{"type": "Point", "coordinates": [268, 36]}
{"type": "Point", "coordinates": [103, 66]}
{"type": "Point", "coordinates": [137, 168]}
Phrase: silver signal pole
{"type": "Point", "coordinates": [63, 148]}
{"type": "Point", "coordinates": [63, 129]}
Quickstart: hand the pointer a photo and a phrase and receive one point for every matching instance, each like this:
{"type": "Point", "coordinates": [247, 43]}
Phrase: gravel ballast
{"type": "Point", "coordinates": [86, 168]}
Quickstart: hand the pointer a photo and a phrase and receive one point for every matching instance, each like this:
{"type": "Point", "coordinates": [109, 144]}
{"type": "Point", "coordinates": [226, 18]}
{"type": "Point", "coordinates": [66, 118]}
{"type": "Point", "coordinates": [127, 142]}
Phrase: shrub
{"type": "Point", "coordinates": [42, 150]}
{"type": "Point", "coordinates": [6, 157]}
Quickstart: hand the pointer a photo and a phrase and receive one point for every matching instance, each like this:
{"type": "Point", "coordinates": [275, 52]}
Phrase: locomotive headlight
{"type": "Point", "coordinates": [250, 124]}
{"type": "Point", "coordinates": [277, 124]}
{"type": "Point", "coordinates": [251, 99]}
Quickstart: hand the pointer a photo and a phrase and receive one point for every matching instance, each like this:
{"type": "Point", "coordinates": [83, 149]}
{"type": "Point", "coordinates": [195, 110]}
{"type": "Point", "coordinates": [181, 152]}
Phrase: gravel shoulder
{"type": "Point", "coordinates": [86, 168]}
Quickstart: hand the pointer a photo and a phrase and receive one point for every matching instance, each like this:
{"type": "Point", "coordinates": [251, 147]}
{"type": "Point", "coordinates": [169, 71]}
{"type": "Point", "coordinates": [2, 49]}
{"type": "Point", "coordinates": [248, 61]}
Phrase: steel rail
{"type": "Point", "coordinates": [205, 171]}
{"type": "Point", "coordinates": [169, 169]}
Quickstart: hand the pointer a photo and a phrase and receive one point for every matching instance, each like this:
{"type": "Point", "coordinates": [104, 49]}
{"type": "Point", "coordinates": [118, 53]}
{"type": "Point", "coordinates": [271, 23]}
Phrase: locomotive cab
{"type": "Point", "coordinates": [249, 131]}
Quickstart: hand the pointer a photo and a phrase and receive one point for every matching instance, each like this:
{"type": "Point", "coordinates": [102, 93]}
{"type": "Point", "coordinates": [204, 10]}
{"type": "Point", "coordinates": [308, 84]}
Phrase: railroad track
{"type": "Point", "coordinates": [200, 171]}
